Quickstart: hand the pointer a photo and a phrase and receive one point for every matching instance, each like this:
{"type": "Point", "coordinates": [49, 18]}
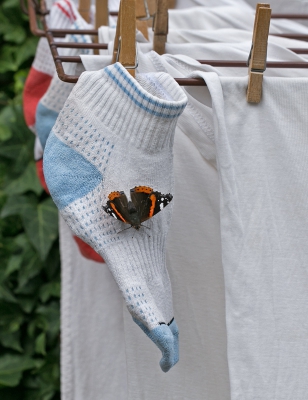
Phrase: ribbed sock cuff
{"type": "Point", "coordinates": [143, 110]}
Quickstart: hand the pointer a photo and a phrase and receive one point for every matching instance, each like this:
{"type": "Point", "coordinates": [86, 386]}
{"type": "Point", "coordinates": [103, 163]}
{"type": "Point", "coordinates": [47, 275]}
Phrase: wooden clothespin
{"type": "Point", "coordinates": [142, 16]}
{"type": "Point", "coordinates": [84, 9]}
{"type": "Point", "coordinates": [258, 53]}
{"type": "Point", "coordinates": [160, 26]}
{"type": "Point", "coordinates": [101, 13]}
{"type": "Point", "coordinates": [125, 38]}
{"type": "Point", "coordinates": [101, 17]}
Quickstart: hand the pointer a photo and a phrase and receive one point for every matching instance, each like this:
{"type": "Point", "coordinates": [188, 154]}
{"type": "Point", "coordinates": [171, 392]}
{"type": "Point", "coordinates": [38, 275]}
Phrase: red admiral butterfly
{"type": "Point", "coordinates": [145, 203]}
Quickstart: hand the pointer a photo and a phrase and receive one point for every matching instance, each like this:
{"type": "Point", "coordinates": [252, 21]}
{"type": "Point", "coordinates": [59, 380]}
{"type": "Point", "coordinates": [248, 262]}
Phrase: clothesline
{"type": "Point", "coordinates": [104, 46]}
{"type": "Point", "coordinates": [216, 63]}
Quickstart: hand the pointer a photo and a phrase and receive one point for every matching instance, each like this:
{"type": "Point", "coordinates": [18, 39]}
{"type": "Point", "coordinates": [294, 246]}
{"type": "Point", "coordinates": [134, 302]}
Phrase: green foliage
{"type": "Point", "coordinates": [29, 253]}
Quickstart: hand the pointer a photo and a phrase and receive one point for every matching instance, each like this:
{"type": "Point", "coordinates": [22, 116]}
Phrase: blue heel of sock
{"type": "Point", "coordinates": [69, 175]}
{"type": "Point", "coordinates": [45, 120]}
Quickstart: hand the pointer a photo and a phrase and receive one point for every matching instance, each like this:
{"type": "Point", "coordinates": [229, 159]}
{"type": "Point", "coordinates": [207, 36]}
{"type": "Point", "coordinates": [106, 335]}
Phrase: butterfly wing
{"type": "Point", "coordinates": [140, 196]}
{"type": "Point", "coordinates": [162, 200]}
{"type": "Point", "coordinates": [117, 206]}
{"type": "Point", "coordinates": [148, 202]}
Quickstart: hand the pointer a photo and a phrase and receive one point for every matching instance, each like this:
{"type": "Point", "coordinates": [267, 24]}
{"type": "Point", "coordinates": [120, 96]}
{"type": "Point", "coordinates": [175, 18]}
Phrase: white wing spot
{"type": "Point", "coordinates": [161, 206]}
{"type": "Point", "coordinates": [114, 216]}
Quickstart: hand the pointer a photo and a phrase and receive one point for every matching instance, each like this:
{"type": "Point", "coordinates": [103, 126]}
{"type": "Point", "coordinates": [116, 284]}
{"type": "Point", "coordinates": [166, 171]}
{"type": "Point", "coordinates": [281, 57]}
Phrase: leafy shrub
{"type": "Point", "coordinates": [29, 251]}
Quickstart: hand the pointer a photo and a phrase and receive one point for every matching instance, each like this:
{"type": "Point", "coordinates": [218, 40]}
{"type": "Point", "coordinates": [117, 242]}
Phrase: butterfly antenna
{"type": "Point", "coordinates": [124, 229]}
{"type": "Point", "coordinates": [144, 226]}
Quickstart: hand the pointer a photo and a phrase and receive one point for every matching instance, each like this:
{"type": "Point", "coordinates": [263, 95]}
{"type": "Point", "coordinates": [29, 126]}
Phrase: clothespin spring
{"type": "Point", "coordinates": [136, 58]}
{"type": "Point", "coordinates": [147, 12]}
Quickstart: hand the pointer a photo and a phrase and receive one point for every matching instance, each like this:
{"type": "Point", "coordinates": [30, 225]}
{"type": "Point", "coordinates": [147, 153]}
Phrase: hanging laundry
{"type": "Point", "coordinates": [91, 132]}
{"type": "Point", "coordinates": [193, 253]}
{"type": "Point", "coordinates": [62, 15]}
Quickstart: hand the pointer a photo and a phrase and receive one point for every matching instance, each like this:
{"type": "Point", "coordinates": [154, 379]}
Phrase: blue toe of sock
{"type": "Point", "coordinates": [165, 340]}
{"type": "Point", "coordinates": [175, 331]}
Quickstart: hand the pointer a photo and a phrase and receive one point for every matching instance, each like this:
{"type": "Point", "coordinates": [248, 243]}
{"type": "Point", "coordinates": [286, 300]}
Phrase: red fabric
{"type": "Point", "coordinates": [84, 248]}
{"type": "Point", "coordinates": [36, 86]}
{"type": "Point", "coordinates": [87, 251]}
{"type": "Point", "coordinates": [63, 10]}
{"type": "Point", "coordinates": [72, 15]}
{"type": "Point", "coordinates": [40, 174]}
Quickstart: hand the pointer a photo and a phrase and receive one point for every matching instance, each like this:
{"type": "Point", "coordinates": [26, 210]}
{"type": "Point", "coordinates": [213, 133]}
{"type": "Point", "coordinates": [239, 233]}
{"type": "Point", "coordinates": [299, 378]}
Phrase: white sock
{"type": "Point", "coordinates": [58, 91]}
{"type": "Point", "coordinates": [62, 14]}
{"type": "Point", "coordinates": [115, 133]}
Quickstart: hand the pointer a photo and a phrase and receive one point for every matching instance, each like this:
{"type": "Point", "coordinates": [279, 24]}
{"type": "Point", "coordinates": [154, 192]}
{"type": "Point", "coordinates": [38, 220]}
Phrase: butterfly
{"type": "Point", "coordinates": [144, 204]}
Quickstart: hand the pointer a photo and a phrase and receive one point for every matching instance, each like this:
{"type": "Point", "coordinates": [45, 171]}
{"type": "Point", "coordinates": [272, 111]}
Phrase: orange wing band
{"type": "Point", "coordinates": [153, 201]}
{"type": "Point", "coordinates": [118, 214]}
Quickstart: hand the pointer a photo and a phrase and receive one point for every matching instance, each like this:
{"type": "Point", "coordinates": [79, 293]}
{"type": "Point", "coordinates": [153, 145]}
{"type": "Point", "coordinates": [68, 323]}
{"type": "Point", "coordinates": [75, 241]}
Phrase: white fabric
{"type": "Point", "coordinates": [278, 6]}
{"type": "Point", "coordinates": [210, 3]}
{"type": "Point", "coordinates": [226, 35]}
{"type": "Point", "coordinates": [93, 359]}
{"type": "Point", "coordinates": [227, 17]}
{"type": "Point", "coordinates": [262, 162]}
{"type": "Point", "coordinates": [113, 5]}
{"type": "Point", "coordinates": [285, 6]}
